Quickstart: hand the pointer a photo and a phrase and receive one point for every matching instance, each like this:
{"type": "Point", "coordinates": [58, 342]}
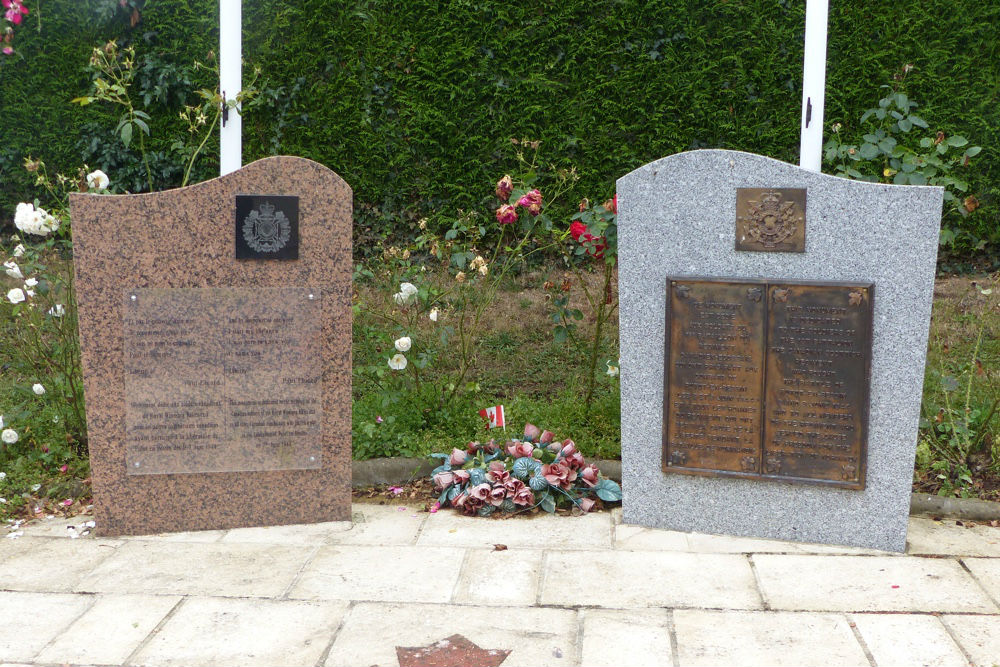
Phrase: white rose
{"type": "Point", "coordinates": [19, 250]}
{"type": "Point", "coordinates": [15, 295]}
{"type": "Point", "coordinates": [403, 344]}
{"type": "Point", "coordinates": [57, 310]}
{"type": "Point", "coordinates": [434, 314]}
{"type": "Point", "coordinates": [406, 295]}
{"type": "Point", "coordinates": [1, 421]}
{"type": "Point", "coordinates": [3, 475]}
{"type": "Point", "coordinates": [24, 216]}
{"type": "Point", "coordinates": [38, 389]}
{"type": "Point", "coordinates": [34, 221]}
{"type": "Point", "coordinates": [29, 292]}
{"type": "Point", "coordinates": [31, 282]}
{"type": "Point", "coordinates": [98, 180]}
{"type": "Point", "coordinates": [397, 363]}
{"type": "Point", "coordinates": [9, 436]}
{"type": "Point", "coordinates": [612, 369]}
{"type": "Point", "coordinates": [12, 269]}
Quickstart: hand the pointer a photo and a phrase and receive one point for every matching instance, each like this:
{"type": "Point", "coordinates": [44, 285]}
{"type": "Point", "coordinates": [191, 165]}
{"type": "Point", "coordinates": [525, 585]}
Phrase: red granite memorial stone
{"type": "Point", "coordinates": [218, 380]}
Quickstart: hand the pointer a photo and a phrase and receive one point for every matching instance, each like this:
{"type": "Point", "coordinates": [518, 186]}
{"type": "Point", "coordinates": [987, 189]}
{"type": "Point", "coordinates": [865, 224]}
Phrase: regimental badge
{"type": "Point", "coordinates": [267, 227]}
{"type": "Point", "coordinates": [771, 219]}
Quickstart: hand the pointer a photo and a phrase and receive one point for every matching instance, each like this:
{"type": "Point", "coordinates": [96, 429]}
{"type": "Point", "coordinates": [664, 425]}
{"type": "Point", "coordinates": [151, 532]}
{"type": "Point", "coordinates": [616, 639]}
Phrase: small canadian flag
{"type": "Point", "coordinates": [493, 415]}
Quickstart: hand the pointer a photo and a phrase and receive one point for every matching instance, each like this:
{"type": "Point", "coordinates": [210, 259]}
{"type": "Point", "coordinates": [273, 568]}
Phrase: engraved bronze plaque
{"type": "Point", "coordinates": [267, 227]}
{"type": "Point", "coordinates": [767, 379]}
{"type": "Point", "coordinates": [222, 380]}
{"type": "Point", "coordinates": [771, 219]}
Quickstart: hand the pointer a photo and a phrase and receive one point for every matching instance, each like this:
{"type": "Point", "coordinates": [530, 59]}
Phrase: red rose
{"type": "Point", "coordinates": [577, 229]}
{"type": "Point", "coordinates": [506, 214]}
{"type": "Point", "coordinates": [532, 201]}
{"type": "Point", "coordinates": [504, 186]}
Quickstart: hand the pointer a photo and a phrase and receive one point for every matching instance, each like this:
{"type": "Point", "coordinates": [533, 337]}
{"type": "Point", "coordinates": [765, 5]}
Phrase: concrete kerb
{"type": "Point", "coordinates": [402, 470]}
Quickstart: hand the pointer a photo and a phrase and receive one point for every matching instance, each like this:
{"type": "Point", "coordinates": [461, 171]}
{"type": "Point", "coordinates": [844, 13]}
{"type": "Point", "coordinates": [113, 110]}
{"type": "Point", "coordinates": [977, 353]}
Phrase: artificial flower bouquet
{"type": "Point", "coordinates": [520, 475]}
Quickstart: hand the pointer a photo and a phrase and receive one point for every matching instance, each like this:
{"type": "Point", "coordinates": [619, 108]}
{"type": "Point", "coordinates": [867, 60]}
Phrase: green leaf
{"type": "Point", "coordinates": [548, 503]}
{"type": "Point", "coordinates": [957, 141]}
{"type": "Point", "coordinates": [559, 333]}
{"type": "Point", "coordinates": [926, 142]}
{"type": "Point", "coordinates": [868, 151]}
{"type": "Point", "coordinates": [917, 178]}
{"type": "Point", "coordinates": [948, 383]}
{"type": "Point", "coordinates": [901, 101]}
{"type": "Point", "coordinates": [608, 490]}
{"type": "Point", "coordinates": [919, 122]}
{"type": "Point", "coordinates": [973, 151]}
{"type": "Point", "coordinates": [450, 234]}
{"type": "Point", "coordinates": [142, 126]}
{"type": "Point", "coordinates": [905, 125]}
{"type": "Point", "coordinates": [126, 134]}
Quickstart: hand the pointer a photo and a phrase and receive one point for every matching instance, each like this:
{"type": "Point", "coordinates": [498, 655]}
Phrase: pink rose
{"type": "Point", "coordinates": [472, 505]}
{"type": "Point", "coordinates": [497, 495]}
{"type": "Point", "coordinates": [479, 492]}
{"type": "Point", "coordinates": [558, 474]}
{"type": "Point", "coordinates": [497, 473]}
{"type": "Point", "coordinates": [506, 214]}
{"type": "Point", "coordinates": [504, 186]}
{"type": "Point", "coordinates": [460, 499]}
{"type": "Point", "coordinates": [472, 448]}
{"type": "Point", "coordinates": [524, 497]}
{"type": "Point", "coordinates": [443, 480]}
{"type": "Point", "coordinates": [546, 437]}
{"type": "Point", "coordinates": [490, 446]}
{"type": "Point", "coordinates": [532, 201]}
{"type": "Point", "coordinates": [589, 475]}
{"type": "Point", "coordinates": [568, 448]}
{"type": "Point", "coordinates": [531, 432]}
{"type": "Point", "coordinates": [519, 449]}
{"type": "Point", "coordinates": [574, 460]}
{"type": "Point", "coordinates": [461, 476]}
{"type": "Point", "coordinates": [513, 485]}
{"type": "Point", "coordinates": [458, 457]}
{"type": "Point", "coordinates": [585, 504]}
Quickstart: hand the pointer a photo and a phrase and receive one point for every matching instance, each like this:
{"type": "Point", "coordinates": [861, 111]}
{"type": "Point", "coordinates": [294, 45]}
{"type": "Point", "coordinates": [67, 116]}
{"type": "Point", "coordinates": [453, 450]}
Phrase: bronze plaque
{"type": "Point", "coordinates": [767, 379]}
{"type": "Point", "coordinates": [771, 219]}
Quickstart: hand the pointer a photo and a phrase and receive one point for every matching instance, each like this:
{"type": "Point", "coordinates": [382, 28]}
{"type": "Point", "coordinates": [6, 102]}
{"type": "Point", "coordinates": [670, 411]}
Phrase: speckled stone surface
{"type": "Point", "coordinates": [676, 218]}
{"type": "Point", "coordinates": [181, 239]}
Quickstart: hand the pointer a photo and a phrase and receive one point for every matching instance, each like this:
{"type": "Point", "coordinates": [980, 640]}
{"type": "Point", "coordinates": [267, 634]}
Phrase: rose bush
{"type": "Point", "coordinates": [535, 471]}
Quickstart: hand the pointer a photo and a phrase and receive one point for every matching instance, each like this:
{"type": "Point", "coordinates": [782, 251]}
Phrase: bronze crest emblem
{"type": "Point", "coordinates": [771, 219]}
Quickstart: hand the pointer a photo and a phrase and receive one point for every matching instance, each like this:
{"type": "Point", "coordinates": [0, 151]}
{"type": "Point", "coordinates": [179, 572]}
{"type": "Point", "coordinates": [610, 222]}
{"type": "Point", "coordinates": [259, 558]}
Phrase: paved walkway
{"type": "Point", "coordinates": [565, 591]}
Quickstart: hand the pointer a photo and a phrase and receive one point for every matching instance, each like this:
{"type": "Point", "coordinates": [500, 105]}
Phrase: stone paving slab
{"type": "Point", "coordinates": [535, 637]}
{"type": "Point", "coordinates": [216, 632]}
{"type": "Point", "coordinates": [987, 573]}
{"type": "Point", "coordinates": [191, 568]}
{"type": "Point", "coordinates": [979, 636]}
{"type": "Point", "coordinates": [449, 528]}
{"type": "Point", "coordinates": [32, 620]}
{"type": "Point", "coordinates": [380, 574]}
{"type": "Point", "coordinates": [637, 638]}
{"type": "Point", "coordinates": [110, 631]}
{"type": "Point", "coordinates": [768, 639]}
{"type": "Point", "coordinates": [499, 577]}
{"type": "Point", "coordinates": [868, 583]}
{"type": "Point", "coordinates": [50, 564]}
{"type": "Point", "coordinates": [382, 525]}
{"type": "Point", "coordinates": [908, 639]}
{"type": "Point", "coordinates": [630, 579]}
{"type": "Point", "coordinates": [297, 534]}
{"type": "Point", "coordinates": [927, 536]}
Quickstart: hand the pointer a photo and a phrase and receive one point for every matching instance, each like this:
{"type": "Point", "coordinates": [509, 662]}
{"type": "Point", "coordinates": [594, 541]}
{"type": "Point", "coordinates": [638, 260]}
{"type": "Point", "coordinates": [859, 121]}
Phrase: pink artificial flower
{"type": "Point", "coordinates": [497, 495]}
{"type": "Point", "coordinates": [531, 432]}
{"type": "Point", "coordinates": [498, 473]}
{"type": "Point", "coordinates": [559, 474]}
{"type": "Point", "coordinates": [504, 186]}
{"type": "Point", "coordinates": [479, 492]}
{"type": "Point", "coordinates": [443, 480]}
{"type": "Point", "coordinates": [586, 504]}
{"type": "Point", "coordinates": [513, 485]}
{"type": "Point", "coordinates": [575, 460]}
{"type": "Point", "coordinates": [457, 457]}
{"type": "Point", "coordinates": [473, 447]}
{"type": "Point", "coordinates": [461, 476]}
{"type": "Point", "coordinates": [491, 446]}
{"type": "Point", "coordinates": [506, 214]}
{"type": "Point", "coordinates": [396, 490]}
{"type": "Point", "coordinates": [435, 507]}
{"type": "Point", "coordinates": [472, 504]}
{"type": "Point", "coordinates": [460, 499]}
{"type": "Point", "coordinates": [568, 447]}
{"type": "Point", "coordinates": [546, 437]}
{"type": "Point", "coordinates": [524, 497]}
{"type": "Point", "coordinates": [589, 475]}
{"type": "Point", "coordinates": [518, 449]}
{"type": "Point", "coordinates": [532, 201]}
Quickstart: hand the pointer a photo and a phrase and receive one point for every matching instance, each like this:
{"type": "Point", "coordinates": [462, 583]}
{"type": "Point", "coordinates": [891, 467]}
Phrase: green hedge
{"type": "Point", "coordinates": [413, 103]}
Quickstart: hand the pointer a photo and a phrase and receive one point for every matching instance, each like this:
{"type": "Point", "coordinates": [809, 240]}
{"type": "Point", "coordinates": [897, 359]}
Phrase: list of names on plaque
{"type": "Point", "coordinates": [222, 379]}
{"type": "Point", "coordinates": [767, 379]}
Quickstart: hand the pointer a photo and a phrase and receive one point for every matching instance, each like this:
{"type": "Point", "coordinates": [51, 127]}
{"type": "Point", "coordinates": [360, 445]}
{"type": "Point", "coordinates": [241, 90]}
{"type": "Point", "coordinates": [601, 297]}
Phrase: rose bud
{"type": "Point", "coordinates": [546, 437]}
{"type": "Point", "coordinates": [586, 504]}
{"type": "Point", "coordinates": [589, 475]}
{"type": "Point", "coordinates": [519, 449]}
{"type": "Point", "coordinates": [506, 214]}
{"type": "Point", "coordinates": [531, 432]}
{"type": "Point", "coordinates": [460, 499]}
{"type": "Point", "coordinates": [461, 476]}
{"type": "Point", "coordinates": [472, 448]}
{"type": "Point", "coordinates": [458, 457]}
{"type": "Point", "coordinates": [568, 447]}
{"type": "Point", "coordinates": [504, 186]}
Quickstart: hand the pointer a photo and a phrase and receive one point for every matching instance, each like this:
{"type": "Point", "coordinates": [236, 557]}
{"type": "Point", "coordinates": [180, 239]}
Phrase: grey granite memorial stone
{"type": "Point", "coordinates": [677, 218]}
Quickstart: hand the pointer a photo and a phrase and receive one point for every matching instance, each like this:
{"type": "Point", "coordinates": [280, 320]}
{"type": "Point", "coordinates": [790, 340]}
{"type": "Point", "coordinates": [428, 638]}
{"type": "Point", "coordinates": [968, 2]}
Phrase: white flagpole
{"type": "Point", "coordinates": [230, 84]}
{"type": "Point", "coordinates": [813, 85]}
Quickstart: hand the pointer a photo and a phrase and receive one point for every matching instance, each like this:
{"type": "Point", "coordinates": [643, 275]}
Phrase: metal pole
{"type": "Point", "coordinates": [230, 84]}
{"type": "Point", "coordinates": [813, 85]}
